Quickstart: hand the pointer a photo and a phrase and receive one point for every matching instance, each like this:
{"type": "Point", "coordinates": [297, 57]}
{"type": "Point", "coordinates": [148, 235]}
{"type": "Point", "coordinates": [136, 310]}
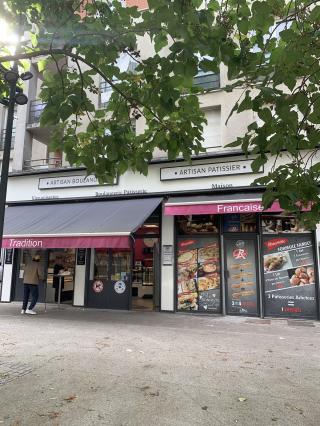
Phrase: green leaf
{"type": "Point", "coordinates": [65, 111]}
{"type": "Point", "coordinates": [258, 163]}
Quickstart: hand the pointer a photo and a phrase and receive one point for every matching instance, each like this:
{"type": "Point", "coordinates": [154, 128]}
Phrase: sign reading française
{"type": "Point", "coordinates": [207, 170]}
{"type": "Point", "coordinates": [70, 182]}
{"type": "Point", "coordinates": [219, 208]}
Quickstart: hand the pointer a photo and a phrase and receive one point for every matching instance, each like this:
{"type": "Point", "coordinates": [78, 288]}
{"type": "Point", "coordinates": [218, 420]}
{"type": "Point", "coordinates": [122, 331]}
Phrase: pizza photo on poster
{"type": "Point", "coordinates": [289, 276]}
{"type": "Point", "coordinates": [241, 276]}
{"type": "Point", "coordinates": [198, 274]}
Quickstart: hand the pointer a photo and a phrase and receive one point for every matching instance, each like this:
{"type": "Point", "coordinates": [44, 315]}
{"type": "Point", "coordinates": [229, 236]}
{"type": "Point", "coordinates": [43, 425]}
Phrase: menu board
{"type": "Point", "coordinates": [81, 256]}
{"type": "Point", "coordinates": [241, 276]}
{"type": "Point", "coordinates": [198, 269]}
{"type": "Point", "coordinates": [289, 276]}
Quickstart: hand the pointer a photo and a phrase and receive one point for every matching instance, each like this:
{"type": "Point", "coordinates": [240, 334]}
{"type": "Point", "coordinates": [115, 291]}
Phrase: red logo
{"type": "Point", "coordinates": [240, 254]}
{"type": "Point", "coordinates": [97, 286]}
{"type": "Point", "coordinates": [275, 242]}
{"type": "Point", "coordinates": [187, 243]}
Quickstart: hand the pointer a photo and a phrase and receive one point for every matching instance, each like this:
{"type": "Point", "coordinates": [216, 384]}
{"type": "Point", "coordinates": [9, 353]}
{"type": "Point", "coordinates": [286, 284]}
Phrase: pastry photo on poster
{"type": "Point", "coordinates": [289, 275]}
{"type": "Point", "coordinates": [198, 274]}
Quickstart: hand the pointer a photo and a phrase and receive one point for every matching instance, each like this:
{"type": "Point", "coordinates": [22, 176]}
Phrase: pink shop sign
{"type": "Point", "coordinates": [65, 242]}
{"type": "Point", "coordinates": [220, 208]}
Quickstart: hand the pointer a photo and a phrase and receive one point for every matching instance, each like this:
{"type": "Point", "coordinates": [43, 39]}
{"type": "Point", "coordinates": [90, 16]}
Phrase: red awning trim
{"type": "Point", "coordinates": [39, 242]}
{"type": "Point", "coordinates": [223, 207]}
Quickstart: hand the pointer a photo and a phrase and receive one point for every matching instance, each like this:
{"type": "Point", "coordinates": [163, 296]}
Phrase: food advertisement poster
{"type": "Point", "coordinates": [198, 269]}
{"type": "Point", "coordinates": [289, 276]}
{"type": "Point", "coordinates": [241, 276]}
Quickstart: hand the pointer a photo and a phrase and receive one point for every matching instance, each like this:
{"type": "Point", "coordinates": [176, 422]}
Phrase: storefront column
{"type": "Point", "coordinates": [167, 271]}
{"type": "Point", "coordinates": [80, 277]}
{"type": "Point", "coordinates": [7, 277]}
{"type": "Point", "coordinates": [317, 258]}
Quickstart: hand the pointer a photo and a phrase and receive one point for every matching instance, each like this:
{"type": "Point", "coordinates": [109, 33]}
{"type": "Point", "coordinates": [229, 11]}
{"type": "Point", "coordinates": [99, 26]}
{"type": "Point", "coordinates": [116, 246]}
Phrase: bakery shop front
{"type": "Point", "coordinates": [232, 257]}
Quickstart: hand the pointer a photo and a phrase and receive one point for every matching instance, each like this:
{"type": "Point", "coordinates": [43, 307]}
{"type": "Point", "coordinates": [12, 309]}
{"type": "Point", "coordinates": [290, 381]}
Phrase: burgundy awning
{"type": "Point", "coordinates": [105, 224]}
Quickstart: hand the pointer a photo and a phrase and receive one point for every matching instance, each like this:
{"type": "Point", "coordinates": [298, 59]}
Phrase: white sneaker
{"type": "Point", "coordinates": [23, 312]}
{"type": "Point", "coordinates": [30, 312]}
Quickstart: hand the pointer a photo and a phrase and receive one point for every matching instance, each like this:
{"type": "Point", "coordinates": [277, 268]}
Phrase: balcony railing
{"type": "Point", "coordinates": [42, 164]}
{"type": "Point", "coordinates": [207, 81]}
{"type": "Point", "coordinates": [3, 136]}
{"type": "Point", "coordinates": [36, 108]}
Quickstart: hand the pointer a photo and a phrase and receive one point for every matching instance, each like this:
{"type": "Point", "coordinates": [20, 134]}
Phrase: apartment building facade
{"type": "Point", "coordinates": [186, 238]}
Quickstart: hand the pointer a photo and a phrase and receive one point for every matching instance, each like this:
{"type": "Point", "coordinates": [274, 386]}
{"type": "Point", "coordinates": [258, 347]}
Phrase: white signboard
{"type": "Point", "coordinates": [69, 182]}
{"type": "Point", "coordinates": [207, 170]}
{"type": "Point", "coordinates": [167, 254]}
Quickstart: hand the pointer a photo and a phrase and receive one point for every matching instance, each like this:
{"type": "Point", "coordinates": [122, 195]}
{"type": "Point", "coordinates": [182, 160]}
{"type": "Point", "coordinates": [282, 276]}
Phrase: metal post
{"type": "Point", "coordinates": [59, 294]}
{"type": "Point", "coordinates": [6, 152]}
{"type": "Point", "coordinates": [45, 297]}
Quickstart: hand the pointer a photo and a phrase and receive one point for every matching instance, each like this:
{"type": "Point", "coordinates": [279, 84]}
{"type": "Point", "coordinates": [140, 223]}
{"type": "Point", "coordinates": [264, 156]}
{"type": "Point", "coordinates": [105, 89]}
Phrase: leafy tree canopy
{"type": "Point", "coordinates": [271, 49]}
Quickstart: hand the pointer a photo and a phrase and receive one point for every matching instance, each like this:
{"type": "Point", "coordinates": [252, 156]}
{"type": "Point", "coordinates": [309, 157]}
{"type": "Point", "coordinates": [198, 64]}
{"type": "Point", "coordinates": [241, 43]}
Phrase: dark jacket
{"type": "Point", "coordinates": [56, 269]}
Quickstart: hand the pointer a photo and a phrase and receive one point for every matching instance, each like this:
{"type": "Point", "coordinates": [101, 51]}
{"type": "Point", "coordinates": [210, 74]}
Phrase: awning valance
{"type": "Point", "coordinates": [76, 225]}
{"type": "Point", "coordinates": [217, 204]}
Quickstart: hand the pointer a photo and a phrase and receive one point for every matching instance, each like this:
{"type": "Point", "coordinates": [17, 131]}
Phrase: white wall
{"type": "Point", "coordinates": [6, 283]}
{"type": "Point", "coordinates": [167, 271]}
{"type": "Point", "coordinates": [79, 284]}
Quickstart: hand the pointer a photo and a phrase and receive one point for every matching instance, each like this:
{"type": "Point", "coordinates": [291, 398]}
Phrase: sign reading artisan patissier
{"type": "Point", "coordinates": [70, 181]}
{"type": "Point", "coordinates": [207, 170]}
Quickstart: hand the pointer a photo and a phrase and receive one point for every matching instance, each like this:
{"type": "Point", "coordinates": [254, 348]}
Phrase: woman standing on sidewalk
{"type": "Point", "coordinates": [33, 275]}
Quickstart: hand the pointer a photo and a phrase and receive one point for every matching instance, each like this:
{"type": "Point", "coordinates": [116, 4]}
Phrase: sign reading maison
{"type": "Point", "coordinates": [206, 170]}
{"type": "Point", "coordinates": [70, 182]}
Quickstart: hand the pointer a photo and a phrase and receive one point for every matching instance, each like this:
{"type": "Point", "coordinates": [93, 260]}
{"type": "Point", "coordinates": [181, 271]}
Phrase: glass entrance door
{"type": "Point", "coordinates": [110, 285]}
{"type": "Point", "coordinates": [241, 274]}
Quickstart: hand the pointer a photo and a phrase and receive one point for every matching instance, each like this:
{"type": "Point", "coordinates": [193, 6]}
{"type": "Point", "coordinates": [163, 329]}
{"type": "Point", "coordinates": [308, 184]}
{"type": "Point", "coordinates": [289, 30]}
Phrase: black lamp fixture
{"type": "Point", "coordinates": [26, 75]}
{"type": "Point", "coordinates": [11, 76]}
{"type": "Point", "coordinates": [21, 99]}
{"type": "Point", "coordinates": [16, 96]}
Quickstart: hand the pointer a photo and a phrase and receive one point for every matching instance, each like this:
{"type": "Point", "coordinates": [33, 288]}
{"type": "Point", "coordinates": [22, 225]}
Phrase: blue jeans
{"type": "Point", "coordinates": [34, 290]}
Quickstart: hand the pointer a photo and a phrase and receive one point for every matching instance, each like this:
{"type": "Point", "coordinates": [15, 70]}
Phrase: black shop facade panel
{"type": "Point", "coordinates": [252, 263]}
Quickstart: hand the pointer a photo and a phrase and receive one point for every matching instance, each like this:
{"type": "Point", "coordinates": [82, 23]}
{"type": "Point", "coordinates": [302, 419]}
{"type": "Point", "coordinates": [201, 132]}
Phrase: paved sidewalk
{"type": "Point", "coordinates": [89, 367]}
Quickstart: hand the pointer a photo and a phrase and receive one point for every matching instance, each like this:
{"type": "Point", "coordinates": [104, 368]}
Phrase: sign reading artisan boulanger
{"type": "Point", "coordinates": [207, 170]}
{"type": "Point", "coordinates": [70, 181]}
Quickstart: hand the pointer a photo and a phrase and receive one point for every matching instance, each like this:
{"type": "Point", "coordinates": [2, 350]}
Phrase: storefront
{"type": "Point", "coordinates": [232, 257]}
{"type": "Point", "coordinates": [97, 244]}
{"type": "Point", "coordinates": [182, 239]}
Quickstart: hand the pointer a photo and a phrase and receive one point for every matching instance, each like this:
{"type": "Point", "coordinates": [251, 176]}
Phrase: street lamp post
{"type": "Point", "coordinates": [15, 96]}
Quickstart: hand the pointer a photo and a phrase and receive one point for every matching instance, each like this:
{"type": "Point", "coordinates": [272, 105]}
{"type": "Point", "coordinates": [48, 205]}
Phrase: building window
{"type": "Point", "coordinates": [125, 64]}
{"type": "Point", "coordinates": [212, 130]}
{"type": "Point", "coordinates": [2, 138]}
{"type": "Point", "coordinates": [207, 80]}
{"type": "Point", "coordinates": [105, 94]}
{"type": "Point", "coordinates": [36, 108]}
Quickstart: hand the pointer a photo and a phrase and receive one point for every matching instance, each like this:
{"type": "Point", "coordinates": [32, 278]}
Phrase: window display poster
{"type": "Point", "coordinates": [289, 276]}
{"type": "Point", "coordinates": [198, 274]}
{"type": "Point", "coordinates": [241, 276]}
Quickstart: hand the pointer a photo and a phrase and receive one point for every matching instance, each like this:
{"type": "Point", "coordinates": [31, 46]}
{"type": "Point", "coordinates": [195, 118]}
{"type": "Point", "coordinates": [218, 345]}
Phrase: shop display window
{"type": "Point", "coordinates": [198, 224]}
{"type": "Point", "coordinates": [280, 223]}
{"type": "Point", "coordinates": [244, 222]}
{"type": "Point", "coordinates": [101, 264]}
{"type": "Point", "coordinates": [198, 274]}
{"type": "Point", "coordinates": [121, 264]}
